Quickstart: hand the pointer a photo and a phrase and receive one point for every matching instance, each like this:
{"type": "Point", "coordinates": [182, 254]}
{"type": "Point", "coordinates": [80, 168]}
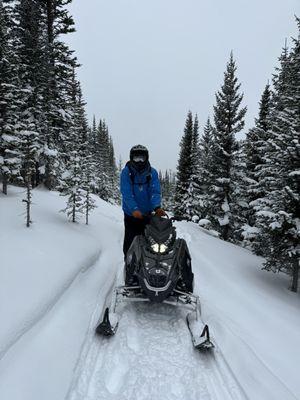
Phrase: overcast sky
{"type": "Point", "coordinates": [145, 63]}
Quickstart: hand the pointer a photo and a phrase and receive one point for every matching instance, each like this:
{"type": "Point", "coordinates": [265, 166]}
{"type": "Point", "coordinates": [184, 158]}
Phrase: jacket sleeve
{"type": "Point", "coordinates": [127, 192]}
{"type": "Point", "coordinates": [155, 190]}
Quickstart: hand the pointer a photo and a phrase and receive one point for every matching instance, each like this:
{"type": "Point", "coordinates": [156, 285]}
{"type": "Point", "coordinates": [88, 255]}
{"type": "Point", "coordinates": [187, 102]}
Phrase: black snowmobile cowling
{"type": "Point", "coordinates": [159, 262]}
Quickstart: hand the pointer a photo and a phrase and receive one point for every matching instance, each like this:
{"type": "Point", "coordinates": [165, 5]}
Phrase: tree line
{"type": "Point", "coordinates": [44, 133]}
{"type": "Point", "coordinates": [248, 191]}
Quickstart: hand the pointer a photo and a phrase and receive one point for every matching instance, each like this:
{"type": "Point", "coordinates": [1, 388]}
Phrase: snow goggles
{"type": "Point", "coordinates": [139, 158]}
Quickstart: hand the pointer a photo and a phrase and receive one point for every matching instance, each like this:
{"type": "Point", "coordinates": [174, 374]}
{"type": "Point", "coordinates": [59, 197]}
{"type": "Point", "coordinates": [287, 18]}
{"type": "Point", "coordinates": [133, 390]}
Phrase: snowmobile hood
{"type": "Point", "coordinates": [160, 230]}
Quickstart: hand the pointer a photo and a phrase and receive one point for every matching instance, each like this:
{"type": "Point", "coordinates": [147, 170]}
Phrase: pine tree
{"type": "Point", "coordinates": [205, 178]}
{"type": "Point", "coordinates": [167, 182]}
{"type": "Point", "coordinates": [71, 186]}
{"type": "Point", "coordinates": [72, 180]}
{"type": "Point", "coordinates": [228, 119]}
{"type": "Point", "coordinates": [31, 70]}
{"type": "Point", "coordinates": [250, 187]}
{"type": "Point", "coordinates": [184, 169]}
{"type": "Point", "coordinates": [278, 217]}
{"type": "Point", "coordinates": [87, 182]}
{"type": "Point", "coordinates": [113, 172]}
{"type": "Point", "coordinates": [241, 231]}
{"type": "Point", "coordinates": [266, 174]}
{"type": "Point", "coordinates": [104, 184]}
{"type": "Point", "coordinates": [10, 156]}
{"type": "Point", "coordinates": [193, 196]}
{"type": "Point", "coordinates": [59, 65]}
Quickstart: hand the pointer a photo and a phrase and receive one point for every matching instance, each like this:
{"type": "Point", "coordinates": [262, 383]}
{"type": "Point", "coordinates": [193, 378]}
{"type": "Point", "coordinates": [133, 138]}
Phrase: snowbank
{"type": "Point", "coordinates": [39, 267]}
{"type": "Point", "coordinates": [253, 316]}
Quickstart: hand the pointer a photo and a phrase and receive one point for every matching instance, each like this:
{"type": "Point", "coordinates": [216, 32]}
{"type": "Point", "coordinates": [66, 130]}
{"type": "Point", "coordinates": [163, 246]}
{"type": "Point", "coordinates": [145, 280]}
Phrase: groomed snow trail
{"type": "Point", "coordinates": [151, 356]}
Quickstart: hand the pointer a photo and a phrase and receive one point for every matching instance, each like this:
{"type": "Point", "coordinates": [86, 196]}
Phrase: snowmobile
{"type": "Point", "coordinates": [158, 269]}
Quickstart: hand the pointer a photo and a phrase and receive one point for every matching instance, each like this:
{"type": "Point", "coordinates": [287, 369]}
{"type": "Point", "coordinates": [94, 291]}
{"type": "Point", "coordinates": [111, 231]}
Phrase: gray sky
{"type": "Point", "coordinates": [145, 63]}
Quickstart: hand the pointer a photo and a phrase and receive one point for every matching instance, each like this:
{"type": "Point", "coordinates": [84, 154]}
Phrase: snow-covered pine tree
{"type": "Point", "coordinates": [10, 156]}
{"type": "Point", "coordinates": [87, 182]}
{"type": "Point", "coordinates": [113, 172]}
{"type": "Point", "coordinates": [251, 183]}
{"type": "Point", "coordinates": [71, 182]}
{"type": "Point", "coordinates": [266, 174]}
{"type": "Point", "coordinates": [71, 187]}
{"type": "Point", "coordinates": [279, 215]}
{"type": "Point", "coordinates": [240, 229]}
{"type": "Point", "coordinates": [228, 119]}
{"type": "Point", "coordinates": [168, 183]}
{"type": "Point", "coordinates": [193, 192]}
{"type": "Point", "coordinates": [205, 145]}
{"type": "Point", "coordinates": [107, 177]}
{"type": "Point", "coordinates": [103, 168]}
{"type": "Point", "coordinates": [31, 73]}
{"type": "Point", "coordinates": [184, 169]}
{"type": "Point", "coordinates": [93, 151]}
{"type": "Point", "coordinates": [59, 64]}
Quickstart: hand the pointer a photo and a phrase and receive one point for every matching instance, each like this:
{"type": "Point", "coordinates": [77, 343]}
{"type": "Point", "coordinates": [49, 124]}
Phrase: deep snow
{"type": "Point", "coordinates": [56, 277]}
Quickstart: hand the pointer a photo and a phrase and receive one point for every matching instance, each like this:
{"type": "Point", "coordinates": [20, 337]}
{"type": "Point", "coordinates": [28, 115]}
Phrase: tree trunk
{"type": "Point", "coordinates": [295, 276]}
{"type": "Point", "coordinates": [28, 201]}
{"type": "Point", "coordinates": [87, 208]}
{"type": "Point", "coordinates": [37, 174]}
{"type": "Point", "coordinates": [50, 179]}
{"type": "Point", "coordinates": [74, 209]}
{"type": "Point", "coordinates": [4, 184]}
{"type": "Point", "coordinates": [50, 20]}
{"type": "Point", "coordinates": [225, 232]}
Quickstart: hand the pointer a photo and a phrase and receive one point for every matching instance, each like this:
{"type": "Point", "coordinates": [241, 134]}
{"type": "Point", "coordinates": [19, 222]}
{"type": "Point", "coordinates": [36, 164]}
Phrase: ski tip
{"type": "Point", "coordinates": [205, 346]}
{"type": "Point", "coordinates": [105, 328]}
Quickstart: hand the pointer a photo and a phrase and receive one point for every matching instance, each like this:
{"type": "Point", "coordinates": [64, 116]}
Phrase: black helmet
{"type": "Point", "coordinates": [139, 156]}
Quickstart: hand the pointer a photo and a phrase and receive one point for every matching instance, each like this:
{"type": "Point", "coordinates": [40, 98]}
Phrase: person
{"type": "Point", "coordinates": [141, 194]}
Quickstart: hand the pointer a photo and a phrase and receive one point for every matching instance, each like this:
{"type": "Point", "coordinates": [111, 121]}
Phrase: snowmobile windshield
{"type": "Point", "coordinates": [160, 234]}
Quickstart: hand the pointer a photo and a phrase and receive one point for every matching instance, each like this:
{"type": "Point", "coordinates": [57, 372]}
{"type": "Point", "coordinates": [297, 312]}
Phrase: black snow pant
{"type": "Point", "coordinates": [133, 227]}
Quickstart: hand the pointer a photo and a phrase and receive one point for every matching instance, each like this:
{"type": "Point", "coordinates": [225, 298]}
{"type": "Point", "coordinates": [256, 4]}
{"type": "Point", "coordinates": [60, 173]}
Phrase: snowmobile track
{"type": "Point", "coordinates": [151, 356]}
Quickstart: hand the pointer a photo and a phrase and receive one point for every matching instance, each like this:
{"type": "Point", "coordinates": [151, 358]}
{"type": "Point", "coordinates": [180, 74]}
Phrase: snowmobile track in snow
{"type": "Point", "coordinates": [151, 356]}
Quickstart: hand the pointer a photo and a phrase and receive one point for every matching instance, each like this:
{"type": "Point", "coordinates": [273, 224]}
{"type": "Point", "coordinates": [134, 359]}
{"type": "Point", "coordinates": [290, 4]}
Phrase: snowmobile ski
{"type": "Point", "coordinates": [199, 332]}
{"type": "Point", "coordinates": [109, 324]}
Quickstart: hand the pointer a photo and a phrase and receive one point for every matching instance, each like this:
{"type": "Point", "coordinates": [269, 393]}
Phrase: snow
{"type": "Point", "coordinates": [267, 214]}
{"type": "Point", "coordinates": [224, 220]}
{"type": "Point", "coordinates": [50, 152]}
{"type": "Point", "coordinates": [8, 138]}
{"type": "Point", "coordinates": [42, 169]}
{"type": "Point", "coordinates": [249, 232]}
{"type": "Point", "coordinates": [295, 173]}
{"type": "Point", "coordinates": [56, 278]}
{"type": "Point", "coordinates": [225, 206]}
{"type": "Point", "coordinates": [204, 222]}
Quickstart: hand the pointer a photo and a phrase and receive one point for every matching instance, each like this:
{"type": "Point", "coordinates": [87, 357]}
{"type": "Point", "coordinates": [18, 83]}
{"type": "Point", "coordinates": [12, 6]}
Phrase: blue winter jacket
{"type": "Point", "coordinates": [143, 193]}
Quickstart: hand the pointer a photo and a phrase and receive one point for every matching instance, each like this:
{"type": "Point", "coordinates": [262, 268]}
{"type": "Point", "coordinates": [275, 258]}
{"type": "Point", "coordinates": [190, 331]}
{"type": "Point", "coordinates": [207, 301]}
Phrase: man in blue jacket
{"type": "Point", "coordinates": [141, 194]}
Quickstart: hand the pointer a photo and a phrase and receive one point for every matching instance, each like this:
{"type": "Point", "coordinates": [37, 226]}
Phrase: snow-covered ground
{"type": "Point", "coordinates": [56, 277]}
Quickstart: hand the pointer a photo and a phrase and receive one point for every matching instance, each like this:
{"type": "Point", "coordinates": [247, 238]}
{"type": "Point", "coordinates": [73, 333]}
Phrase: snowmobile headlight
{"type": "Point", "coordinates": [163, 248]}
{"type": "Point", "coordinates": [155, 247]}
{"type": "Point", "coordinates": [159, 248]}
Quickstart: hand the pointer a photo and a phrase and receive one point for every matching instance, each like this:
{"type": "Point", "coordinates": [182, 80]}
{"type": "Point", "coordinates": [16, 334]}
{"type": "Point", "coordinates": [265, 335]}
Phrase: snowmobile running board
{"type": "Point", "coordinates": [109, 324]}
